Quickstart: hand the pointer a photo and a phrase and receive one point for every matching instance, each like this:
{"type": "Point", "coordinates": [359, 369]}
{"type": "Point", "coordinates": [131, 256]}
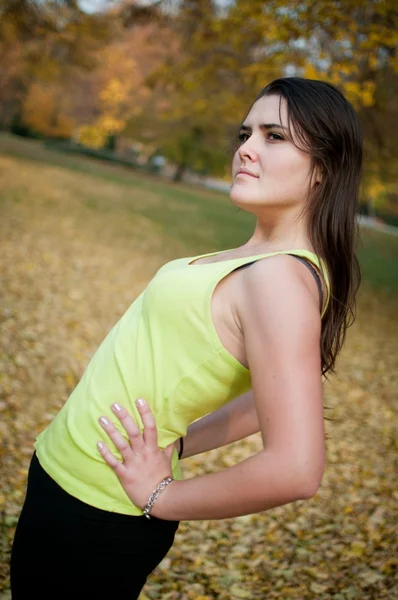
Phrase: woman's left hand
{"type": "Point", "coordinates": [144, 463]}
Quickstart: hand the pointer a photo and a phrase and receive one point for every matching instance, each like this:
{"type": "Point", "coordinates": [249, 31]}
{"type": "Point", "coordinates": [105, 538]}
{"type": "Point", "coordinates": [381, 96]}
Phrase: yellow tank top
{"type": "Point", "coordinates": [165, 349]}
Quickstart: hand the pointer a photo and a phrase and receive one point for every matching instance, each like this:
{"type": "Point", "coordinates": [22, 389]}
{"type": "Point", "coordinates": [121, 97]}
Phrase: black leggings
{"type": "Point", "coordinates": [64, 548]}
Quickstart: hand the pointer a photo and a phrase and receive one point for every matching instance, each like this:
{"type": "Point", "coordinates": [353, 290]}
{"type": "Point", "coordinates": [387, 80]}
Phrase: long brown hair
{"type": "Point", "coordinates": [327, 127]}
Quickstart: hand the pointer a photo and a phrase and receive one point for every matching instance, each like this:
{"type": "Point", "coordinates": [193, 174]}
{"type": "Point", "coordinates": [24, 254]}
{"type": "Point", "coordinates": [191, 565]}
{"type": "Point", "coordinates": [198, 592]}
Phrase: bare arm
{"type": "Point", "coordinates": [281, 323]}
{"type": "Point", "coordinates": [230, 423]}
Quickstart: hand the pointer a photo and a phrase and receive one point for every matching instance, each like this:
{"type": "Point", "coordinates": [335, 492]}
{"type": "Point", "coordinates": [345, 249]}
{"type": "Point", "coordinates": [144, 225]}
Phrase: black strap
{"type": "Point", "coordinates": [316, 276]}
{"type": "Point", "coordinates": [181, 447]}
{"type": "Point", "coordinates": [311, 268]}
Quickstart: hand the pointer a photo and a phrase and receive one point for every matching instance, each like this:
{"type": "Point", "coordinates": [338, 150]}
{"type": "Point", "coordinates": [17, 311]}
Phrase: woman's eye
{"type": "Point", "coordinates": [243, 137]}
{"type": "Point", "coordinates": [274, 136]}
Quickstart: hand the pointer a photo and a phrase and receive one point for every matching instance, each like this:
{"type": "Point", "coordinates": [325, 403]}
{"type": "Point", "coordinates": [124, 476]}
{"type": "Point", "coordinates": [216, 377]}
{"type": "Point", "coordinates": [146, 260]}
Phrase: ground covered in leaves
{"type": "Point", "coordinates": [74, 254]}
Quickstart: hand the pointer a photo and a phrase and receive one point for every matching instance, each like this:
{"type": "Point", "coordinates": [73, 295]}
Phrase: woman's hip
{"type": "Point", "coordinates": [59, 537]}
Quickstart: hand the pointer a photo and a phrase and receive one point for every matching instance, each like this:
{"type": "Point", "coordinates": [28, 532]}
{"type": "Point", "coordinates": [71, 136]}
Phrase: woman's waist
{"type": "Point", "coordinates": [86, 476]}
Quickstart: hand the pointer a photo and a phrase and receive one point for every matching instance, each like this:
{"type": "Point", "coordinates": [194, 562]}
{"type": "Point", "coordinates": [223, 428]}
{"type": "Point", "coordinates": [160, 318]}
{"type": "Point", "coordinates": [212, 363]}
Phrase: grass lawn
{"type": "Point", "coordinates": [79, 240]}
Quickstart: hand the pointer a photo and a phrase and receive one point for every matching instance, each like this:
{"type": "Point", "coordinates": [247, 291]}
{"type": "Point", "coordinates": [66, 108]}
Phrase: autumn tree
{"type": "Point", "coordinates": [42, 45]}
{"type": "Point", "coordinates": [354, 45]}
{"type": "Point", "coordinates": [69, 73]}
{"type": "Point", "coordinates": [119, 91]}
{"type": "Point", "coordinates": [178, 118]}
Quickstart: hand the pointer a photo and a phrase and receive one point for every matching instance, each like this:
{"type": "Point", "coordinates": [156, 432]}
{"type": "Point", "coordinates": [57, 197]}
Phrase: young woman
{"type": "Point", "coordinates": [220, 346]}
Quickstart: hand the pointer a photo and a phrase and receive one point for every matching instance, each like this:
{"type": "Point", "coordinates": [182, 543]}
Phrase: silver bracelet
{"type": "Point", "coordinates": [154, 496]}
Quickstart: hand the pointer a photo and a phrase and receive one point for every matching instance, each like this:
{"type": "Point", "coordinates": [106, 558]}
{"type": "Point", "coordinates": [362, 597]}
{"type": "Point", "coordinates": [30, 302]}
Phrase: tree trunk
{"type": "Point", "coordinates": [179, 173]}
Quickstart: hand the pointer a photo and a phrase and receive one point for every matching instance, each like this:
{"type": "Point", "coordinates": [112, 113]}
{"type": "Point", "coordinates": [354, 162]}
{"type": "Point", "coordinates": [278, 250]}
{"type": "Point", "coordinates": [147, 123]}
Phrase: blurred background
{"type": "Point", "coordinates": [117, 123]}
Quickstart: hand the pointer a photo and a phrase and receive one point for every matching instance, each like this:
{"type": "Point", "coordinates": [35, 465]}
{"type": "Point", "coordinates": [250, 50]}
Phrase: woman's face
{"type": "Point", "coordinates": [280, 171]}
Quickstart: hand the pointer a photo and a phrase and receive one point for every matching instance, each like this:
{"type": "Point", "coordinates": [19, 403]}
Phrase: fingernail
{"type": "Point", "coordinates": [100, 445]}
{"type": "Point", "coordinates": [140, 402]}
{"type": "Point", "coordinates": [117, 407]}
{"type": "Point", "coordinates": [104, 421]}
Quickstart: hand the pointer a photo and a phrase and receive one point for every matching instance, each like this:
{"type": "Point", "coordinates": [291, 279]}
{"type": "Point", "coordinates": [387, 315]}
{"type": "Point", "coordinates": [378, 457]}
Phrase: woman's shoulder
{"type": "Point", "coordinates": [278, 314]}
{"type": "Point", "coordinates": [278, 285]}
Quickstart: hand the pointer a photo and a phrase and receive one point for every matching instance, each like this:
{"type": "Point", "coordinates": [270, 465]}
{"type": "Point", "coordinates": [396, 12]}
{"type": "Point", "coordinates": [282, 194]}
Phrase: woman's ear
{"type": "Point", "coordinates": [317, 175]}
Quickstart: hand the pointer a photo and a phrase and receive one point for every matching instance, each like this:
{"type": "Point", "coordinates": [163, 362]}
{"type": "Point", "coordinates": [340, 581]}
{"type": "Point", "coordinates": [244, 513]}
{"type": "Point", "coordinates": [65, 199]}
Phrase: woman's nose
{"type": "Point", "coordinates": [247, 151]}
